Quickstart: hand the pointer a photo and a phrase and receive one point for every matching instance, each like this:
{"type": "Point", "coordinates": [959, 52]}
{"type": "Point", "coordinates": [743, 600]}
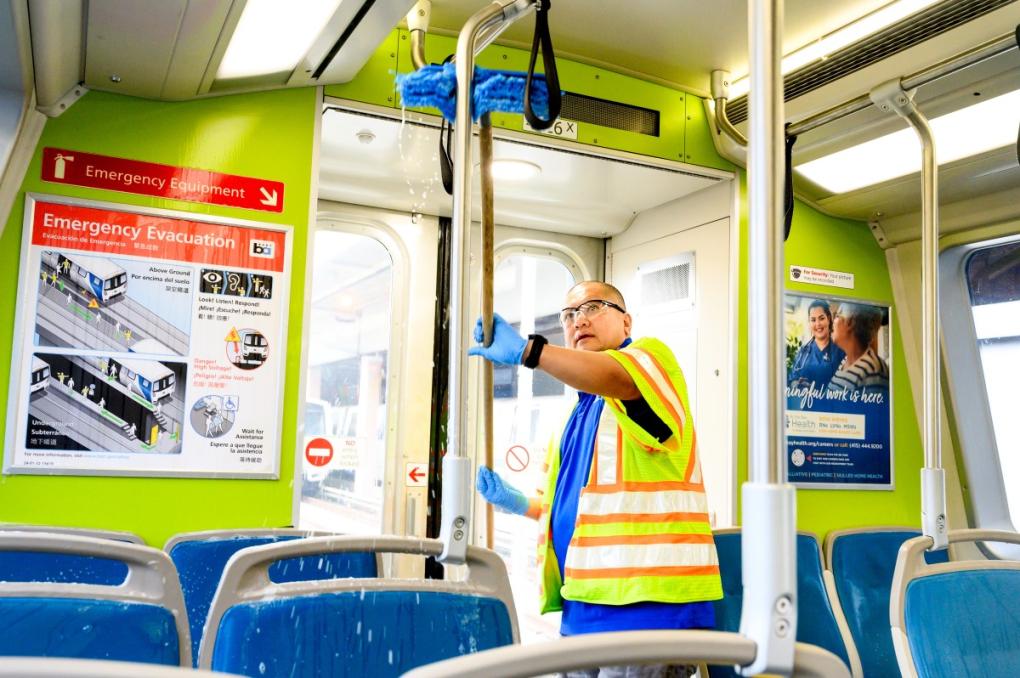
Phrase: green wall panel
{"type": "Point", "coordinates": [370, 86]}
{"type": "Point", "coordinates": [375, 82]}
{"type": "Point", "coordinates": [699, 148]}
{"type": "Point", "coordinates": [269, 135]}
{"type": "Point", "coordinates": [841, 245]}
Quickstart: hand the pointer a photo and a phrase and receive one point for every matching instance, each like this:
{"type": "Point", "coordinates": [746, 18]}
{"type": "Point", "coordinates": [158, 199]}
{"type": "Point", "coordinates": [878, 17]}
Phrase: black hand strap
{"type": "Point", "coordinates": [788, 189]}
{"type": "Point", "coordinates": [445, 161]}
{"type": "Point", "coordinates": [552, 80]}
{"type": "Point", "coordinates": [445, 146]}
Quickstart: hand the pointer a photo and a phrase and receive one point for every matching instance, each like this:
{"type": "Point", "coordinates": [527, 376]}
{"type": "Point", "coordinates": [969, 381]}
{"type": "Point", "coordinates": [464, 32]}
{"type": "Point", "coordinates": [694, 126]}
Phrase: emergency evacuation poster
{"type": "Point", "coordinates": [838, 393]}
{"type": "Point", "coordinates": [147, 342]}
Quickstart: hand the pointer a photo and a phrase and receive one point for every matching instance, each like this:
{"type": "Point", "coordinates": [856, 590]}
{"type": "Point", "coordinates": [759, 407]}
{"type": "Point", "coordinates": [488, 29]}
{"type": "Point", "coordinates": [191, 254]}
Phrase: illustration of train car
{"type": "Point", "coordinates": [150, 379]}
{"type": "Point", "coordinates": [254, 346]}
{"type": "Point", "coordinates": [105, 279]}
{"type": "Point", "coordinates": [40, 375]}
{"type": "Point", "coordinates": [150, 346]}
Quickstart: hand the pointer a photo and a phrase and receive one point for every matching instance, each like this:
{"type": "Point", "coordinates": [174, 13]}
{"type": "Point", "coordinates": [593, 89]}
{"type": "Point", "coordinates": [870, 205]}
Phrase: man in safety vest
{"type": "Point", "coordinates": [626, 542]}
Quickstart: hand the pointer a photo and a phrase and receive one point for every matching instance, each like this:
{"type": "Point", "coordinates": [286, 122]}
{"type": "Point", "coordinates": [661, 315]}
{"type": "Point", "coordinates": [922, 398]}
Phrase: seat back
{"type": "Point", "coordinates": [957, 618]}
{"type": "Point", "coordinates": [338, 627]}
{"type": "Point", "coordinates": [200, 558]}
{"type": "Point", "coordinates": [819, 620]}
{"type": "Point", "coordinates": [63, 567]}
{"type": "Point", "coordinates": [862, 562]}
{"type": "Point", "coordinates": [141, 618]}
{"type": "Point", "coordinates": [115, 535]}
{"type": "Point", "coordinates": [625, 648]}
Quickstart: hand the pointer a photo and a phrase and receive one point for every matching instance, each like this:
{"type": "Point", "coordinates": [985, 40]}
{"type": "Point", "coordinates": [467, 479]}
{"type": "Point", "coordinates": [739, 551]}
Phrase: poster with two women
{"type": "Point", "coordinates": [838, 393]}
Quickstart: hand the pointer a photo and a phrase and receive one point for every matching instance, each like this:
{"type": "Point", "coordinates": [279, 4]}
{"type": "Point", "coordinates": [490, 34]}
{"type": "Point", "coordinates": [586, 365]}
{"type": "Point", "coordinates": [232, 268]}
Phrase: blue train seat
{"type": "Point", "coordinates": [64, 567]}
{"type": "Point", "coordinates": [957, 618]}
{"type": "Point", "coordinates": [819, 619]}
{"type": "Point", "coordinates": [141, 618]}
{"type": "Point", "coordinates": [200, 558]}
{"type": "Point", "coordinates": [347, 627]}
{"type": "Point", "coordinates": [862, 562]}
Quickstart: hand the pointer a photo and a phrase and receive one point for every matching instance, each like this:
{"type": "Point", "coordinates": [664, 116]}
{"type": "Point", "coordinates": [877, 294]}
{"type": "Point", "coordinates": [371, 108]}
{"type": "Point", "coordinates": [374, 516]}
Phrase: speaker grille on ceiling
{"type": "Point", "coordinates": [911, 31]}
{"type": "Point", "coordinates": [613, 114]}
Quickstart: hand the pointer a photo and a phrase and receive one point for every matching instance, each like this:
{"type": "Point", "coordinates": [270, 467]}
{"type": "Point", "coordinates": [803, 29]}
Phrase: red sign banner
{"type": "Point", "coordinates": [163, 181]}
{"type": "Point", "coordinates": [90, 229]}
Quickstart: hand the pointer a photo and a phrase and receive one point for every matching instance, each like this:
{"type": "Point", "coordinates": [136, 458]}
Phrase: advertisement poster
{"type": "Point", "coordinates": [838, 393]}
{"type": "Point", "coordinates": [147, 342]}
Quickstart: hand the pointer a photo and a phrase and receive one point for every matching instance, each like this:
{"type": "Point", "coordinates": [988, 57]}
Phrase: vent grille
{"type": "Point", "coordinates": [612, 114]}
{"type": "Point", "coordinates": [666, 285]}
{"type": "Point", "coordinates": [911, 31]}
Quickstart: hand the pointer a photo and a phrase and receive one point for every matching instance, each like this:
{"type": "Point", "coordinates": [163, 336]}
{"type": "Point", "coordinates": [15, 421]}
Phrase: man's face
{"type": "Point", "coordinates": [602, 329]}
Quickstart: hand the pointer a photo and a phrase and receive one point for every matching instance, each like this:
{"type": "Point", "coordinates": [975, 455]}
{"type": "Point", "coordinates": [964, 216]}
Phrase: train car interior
{"type": "Point", "coordinates": [244, 278]}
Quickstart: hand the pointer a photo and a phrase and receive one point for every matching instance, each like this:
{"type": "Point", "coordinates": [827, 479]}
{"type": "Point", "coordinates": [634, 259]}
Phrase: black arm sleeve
{"type": "Point", "coordinates": [642, 414]}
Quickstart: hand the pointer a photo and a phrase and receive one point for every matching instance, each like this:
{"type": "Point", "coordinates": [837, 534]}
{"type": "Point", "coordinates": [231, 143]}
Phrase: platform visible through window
{"type": "Point", "coordinates": [530, 407]}
{"type": "Point", "coordinates": [344, 440]}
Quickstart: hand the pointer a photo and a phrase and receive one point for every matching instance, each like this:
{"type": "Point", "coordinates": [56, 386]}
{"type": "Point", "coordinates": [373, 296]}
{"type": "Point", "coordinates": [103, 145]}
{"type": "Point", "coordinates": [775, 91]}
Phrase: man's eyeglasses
{"type": "Point", "coordinates": [588, 309]}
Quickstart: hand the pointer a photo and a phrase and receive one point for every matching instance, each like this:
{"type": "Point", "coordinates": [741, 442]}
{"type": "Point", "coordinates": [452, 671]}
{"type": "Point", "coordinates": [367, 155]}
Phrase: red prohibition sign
{"type": "Point", "coordinates": [517, 458]}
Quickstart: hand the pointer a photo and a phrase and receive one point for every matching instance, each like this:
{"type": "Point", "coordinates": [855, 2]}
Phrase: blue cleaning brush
{"type": "Point", "coordinates": [492, 91]}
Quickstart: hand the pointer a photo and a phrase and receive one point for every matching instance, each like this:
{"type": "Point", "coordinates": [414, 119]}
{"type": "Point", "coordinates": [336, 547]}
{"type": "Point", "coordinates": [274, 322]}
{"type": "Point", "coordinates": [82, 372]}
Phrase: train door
{"type": "Point", "coordinates": [364, 419]}
{"type": "Point", "coordinates": [348, 347]}
{"type": "Point", "coordinates": [673, 266]}
{"type": "Point", "coordinates": [529, 406]}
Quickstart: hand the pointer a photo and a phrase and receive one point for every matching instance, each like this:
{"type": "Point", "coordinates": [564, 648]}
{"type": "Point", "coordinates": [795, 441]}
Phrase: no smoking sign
{"type": "Point", "coordinates": [517, 458]}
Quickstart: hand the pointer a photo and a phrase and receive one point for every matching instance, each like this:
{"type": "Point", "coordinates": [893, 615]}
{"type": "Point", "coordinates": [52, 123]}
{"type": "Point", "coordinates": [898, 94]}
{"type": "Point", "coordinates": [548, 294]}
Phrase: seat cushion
{"type": "Point", "coordinates": [964, 623]}
{"type": "Point", "coordinates": [88, 629]}
{"type": "Point", "coordinates": [816, 623]}
{"type": "Point", "coordinates": [862, 565]}
{"type": "Point", "coordinates": [357, 633]}
{"type": "Point", "coordinates": [61, 568]}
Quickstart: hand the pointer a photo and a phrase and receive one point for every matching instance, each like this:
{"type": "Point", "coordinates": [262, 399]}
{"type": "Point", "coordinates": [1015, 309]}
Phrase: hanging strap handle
{"type": "Point", "coordinates": [788, 187]}
{"type": "Point", "coordinates": [445, 147]}
{"type": "Point", "coordinates": [552, 80]}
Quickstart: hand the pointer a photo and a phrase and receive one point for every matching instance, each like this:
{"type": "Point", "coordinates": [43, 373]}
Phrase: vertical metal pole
{"type": "Point", "coordinates": [769, 613]}
{"type": "Point", "coordinates": [891, 97]}
{"type": "Point", "coordinates": [457, 476]}
{"type": "Point", "coordinates": [765, 201]}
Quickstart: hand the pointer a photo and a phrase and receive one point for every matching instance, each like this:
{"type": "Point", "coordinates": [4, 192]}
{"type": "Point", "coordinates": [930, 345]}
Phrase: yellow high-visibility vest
{"type": "Point", "coordinates": [642, 531]}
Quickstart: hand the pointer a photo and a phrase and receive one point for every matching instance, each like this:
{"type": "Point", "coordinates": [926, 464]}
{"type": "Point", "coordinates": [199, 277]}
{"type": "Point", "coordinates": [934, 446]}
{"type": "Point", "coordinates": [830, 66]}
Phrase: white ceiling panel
{"type": "Point", "coordinates": [575, 193]}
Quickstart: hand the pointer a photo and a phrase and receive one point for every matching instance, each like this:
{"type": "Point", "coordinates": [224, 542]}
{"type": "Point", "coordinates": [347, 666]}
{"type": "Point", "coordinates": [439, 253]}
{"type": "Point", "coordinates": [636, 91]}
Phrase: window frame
{"type": "Point", "coordinates": [986, 496]}
{"type": "Point", "coordinates": [356, 224]}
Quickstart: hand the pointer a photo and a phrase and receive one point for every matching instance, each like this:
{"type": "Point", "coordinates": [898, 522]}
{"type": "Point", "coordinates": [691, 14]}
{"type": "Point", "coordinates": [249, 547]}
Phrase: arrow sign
{"type": "Point", "coordinates": [267, 197]}
{"type": "Point", "coordinates": [193, 184]}
{"type": "Point", "coordinates": [416, 475]}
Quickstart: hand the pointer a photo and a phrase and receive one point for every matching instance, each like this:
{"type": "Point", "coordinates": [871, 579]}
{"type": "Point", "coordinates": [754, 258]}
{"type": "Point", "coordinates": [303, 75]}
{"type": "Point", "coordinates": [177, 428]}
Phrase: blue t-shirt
{"type": "Point", "coordinates": [576, 448]}
{"type": "Point", "coordinates": [817, 365]}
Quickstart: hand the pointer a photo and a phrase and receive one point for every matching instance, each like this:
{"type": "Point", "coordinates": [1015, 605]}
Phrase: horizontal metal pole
{"type": "Point", "coordinates": [982, 52]}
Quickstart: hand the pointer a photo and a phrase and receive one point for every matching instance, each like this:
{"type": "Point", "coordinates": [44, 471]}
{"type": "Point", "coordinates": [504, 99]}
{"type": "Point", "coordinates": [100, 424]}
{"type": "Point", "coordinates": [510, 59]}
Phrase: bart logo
{"type": "Point", "coordinates": [261, 248]}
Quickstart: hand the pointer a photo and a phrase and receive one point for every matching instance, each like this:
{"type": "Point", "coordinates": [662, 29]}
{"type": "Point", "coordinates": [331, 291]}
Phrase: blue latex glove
{"type": "Point", "coordinates": [507, 346]}
{"type": "Point", "coordinates": [500, 494]}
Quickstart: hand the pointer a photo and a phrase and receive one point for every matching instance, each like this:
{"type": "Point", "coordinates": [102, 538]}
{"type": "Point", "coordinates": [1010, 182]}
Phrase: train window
{"type": "Point", "coordinates": [993, 280]}
{"type": "Point", "coordinates": [529, 407]}
{"type": "Point", "coordinates": [345, 396]}
{"type": "Point", "coordinates": [981, 332]}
